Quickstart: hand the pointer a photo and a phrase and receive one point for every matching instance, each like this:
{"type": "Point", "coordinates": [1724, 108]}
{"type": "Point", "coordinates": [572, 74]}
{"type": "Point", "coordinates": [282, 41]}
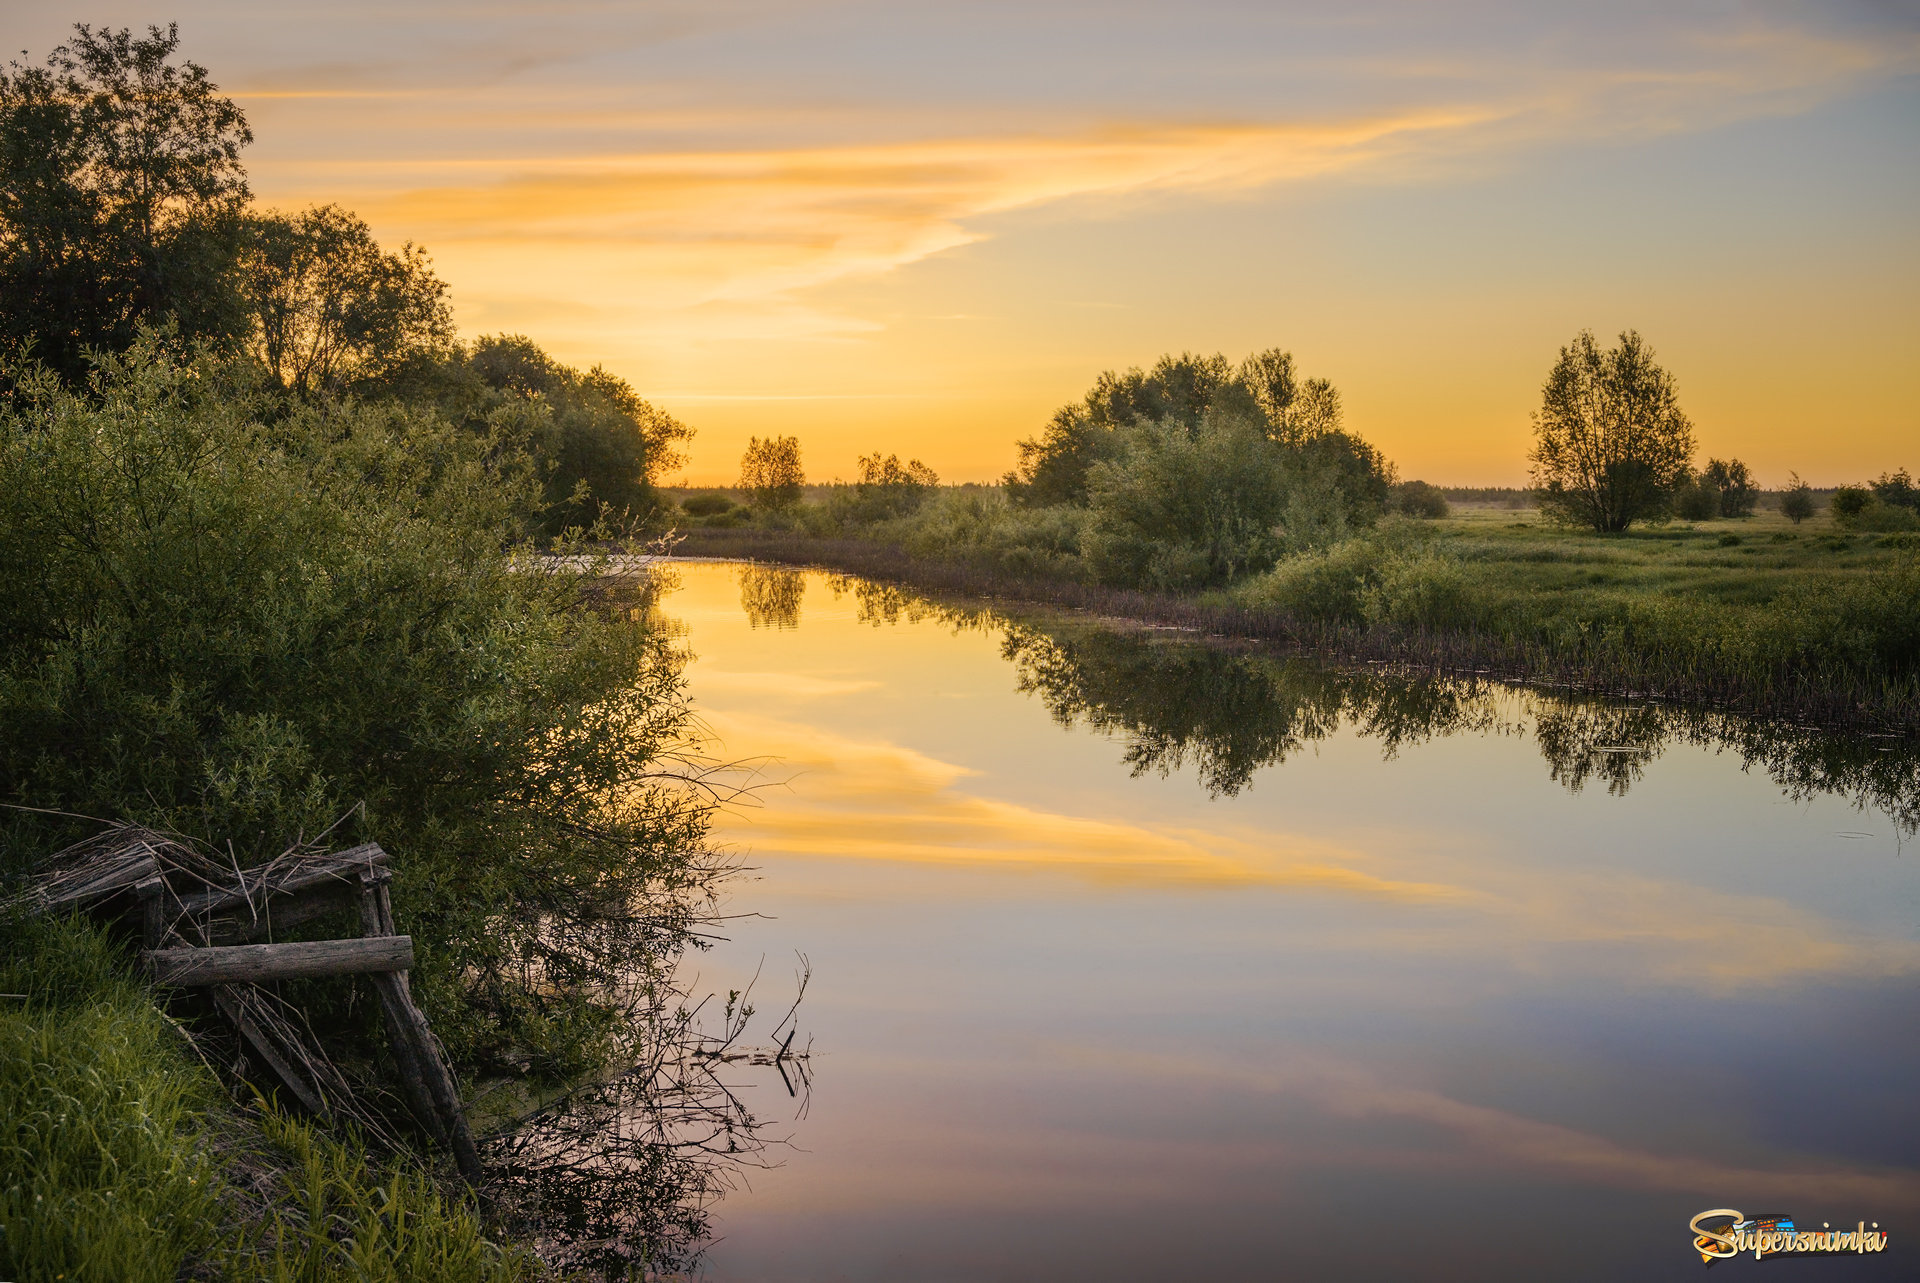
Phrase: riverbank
{"type": "Point", "coordinates": [1809, 623]}
{"type": "Point", "coordinates": [126, 1160]}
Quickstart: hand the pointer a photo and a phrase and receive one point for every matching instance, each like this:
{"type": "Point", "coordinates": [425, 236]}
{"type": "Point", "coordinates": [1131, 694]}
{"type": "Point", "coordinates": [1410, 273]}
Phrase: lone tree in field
{"type": "Point", "coordinates": [770, 472]}
{"type": "Point", "coordinates": [1611, 443]}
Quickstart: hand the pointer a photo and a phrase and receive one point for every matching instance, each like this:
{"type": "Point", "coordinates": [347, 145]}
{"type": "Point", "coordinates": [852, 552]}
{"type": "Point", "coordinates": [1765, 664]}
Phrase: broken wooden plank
{"type": "Point", "coordinates": [258, 963]}
{"type": "Point", "coordinates": [80, 891]}
{"type": "Point", "coordinates": [336, 871]}
{"type": "Point", "coordinates": [233, 1005]}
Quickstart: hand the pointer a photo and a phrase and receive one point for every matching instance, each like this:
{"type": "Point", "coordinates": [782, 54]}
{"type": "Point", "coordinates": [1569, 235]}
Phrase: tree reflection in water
{"type": "Point", "coordinates": [1228, 713]}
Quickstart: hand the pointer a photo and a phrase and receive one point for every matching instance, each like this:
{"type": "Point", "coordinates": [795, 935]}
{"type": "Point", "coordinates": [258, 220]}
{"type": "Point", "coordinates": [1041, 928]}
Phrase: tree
{"type": "Point", "coordinates": [1797, 502]}
{"type": "Point", "coordinates": [327, 305]}
{"type": "Point", "coordinates": [1611, 442]}
{"type": "Point", "coordinates": [121, 195]}
{"type": "Point", "coordinates": [1182, 390]}
{"type": "Point", "coordinates": [600, 446]}
{"type": "Point", "coordinates": [1731, 484]}
{"type": "Point", "coordinates": [770, 472]}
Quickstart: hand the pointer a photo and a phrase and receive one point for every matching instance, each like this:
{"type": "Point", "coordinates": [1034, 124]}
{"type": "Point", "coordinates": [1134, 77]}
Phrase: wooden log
{"type": "Point", "coordinates": [153, 911]}
{"type": "Point", "coordinates": [409, 1026]}
{"type": "Point", "coordinates": [258, 963]}
{"type": "Point", "coordinates": [233, 1005]}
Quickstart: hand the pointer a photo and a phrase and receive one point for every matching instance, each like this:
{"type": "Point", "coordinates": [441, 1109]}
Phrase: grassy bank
{"type": "Point", "coordinates": [124, 1160]}
{"type": "Point", "coordinates": [1758, 614]}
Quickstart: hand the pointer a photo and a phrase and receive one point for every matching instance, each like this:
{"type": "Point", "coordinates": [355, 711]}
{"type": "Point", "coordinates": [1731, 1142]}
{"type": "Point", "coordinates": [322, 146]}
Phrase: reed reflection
{"type": "Point", "coordinates": [1226, 712]}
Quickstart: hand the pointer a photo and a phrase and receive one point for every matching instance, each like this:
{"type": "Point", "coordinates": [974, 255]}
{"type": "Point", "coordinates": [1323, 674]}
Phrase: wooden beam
{"type": "Point", "coordinates": [339, 870]}
{"type": "Point", "coordinates": [257, 963]}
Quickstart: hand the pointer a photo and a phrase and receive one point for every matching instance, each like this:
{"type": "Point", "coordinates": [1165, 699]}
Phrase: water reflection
{"type": "Point", "coordinates": [771, 595]}
{"type": "Point", "coordinates": [1227, 715]}
{"type": "Point", "coordinates": [1108, 997]}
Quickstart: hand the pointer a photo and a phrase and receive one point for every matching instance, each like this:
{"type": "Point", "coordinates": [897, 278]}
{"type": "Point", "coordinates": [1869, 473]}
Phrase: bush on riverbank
{"type": "Point", "coordinates": [245, 630]}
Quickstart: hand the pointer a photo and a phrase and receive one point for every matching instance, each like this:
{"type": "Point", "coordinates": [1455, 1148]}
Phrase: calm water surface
{"type": "Point", "coordinates": [1134, 959]}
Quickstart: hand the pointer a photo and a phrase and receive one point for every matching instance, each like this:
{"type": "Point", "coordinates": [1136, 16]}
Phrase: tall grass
{"type": "Point", "coordinates": [120, 1158]}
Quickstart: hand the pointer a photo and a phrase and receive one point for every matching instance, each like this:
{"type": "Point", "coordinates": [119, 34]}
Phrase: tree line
{"type": "Point", "coordinates": [125, 205]}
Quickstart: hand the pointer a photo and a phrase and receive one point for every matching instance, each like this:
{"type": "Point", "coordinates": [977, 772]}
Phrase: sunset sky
{"type": "Point", "coordinates": [921, 227]}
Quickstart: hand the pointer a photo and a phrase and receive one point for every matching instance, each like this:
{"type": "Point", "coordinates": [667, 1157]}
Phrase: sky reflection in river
{"type": "Point", "coordinates": [1427, 1014]}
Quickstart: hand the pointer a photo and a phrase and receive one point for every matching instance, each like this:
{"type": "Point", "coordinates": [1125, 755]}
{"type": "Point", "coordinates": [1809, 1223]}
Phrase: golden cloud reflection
{"type": "Point", "coordinates": [869, 799]}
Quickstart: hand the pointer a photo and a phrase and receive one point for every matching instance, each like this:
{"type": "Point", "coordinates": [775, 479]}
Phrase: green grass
{"type": "Point", "coordinates": [122, 1159]}
{"type": "Point", "coordinates": [1811, 622]}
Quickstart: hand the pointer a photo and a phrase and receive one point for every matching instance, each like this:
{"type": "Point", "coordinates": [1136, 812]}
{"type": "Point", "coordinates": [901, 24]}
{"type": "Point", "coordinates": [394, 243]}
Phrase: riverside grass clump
{"type": "Point", "coordinates": [246, 622]}
{"type": "Point", "coordinates": [123, 1160]}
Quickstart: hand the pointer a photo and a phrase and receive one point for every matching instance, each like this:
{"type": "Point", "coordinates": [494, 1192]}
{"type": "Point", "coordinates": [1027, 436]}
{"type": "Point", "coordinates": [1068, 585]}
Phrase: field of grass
{"type": "Point", "coordinates": [1756, 614]}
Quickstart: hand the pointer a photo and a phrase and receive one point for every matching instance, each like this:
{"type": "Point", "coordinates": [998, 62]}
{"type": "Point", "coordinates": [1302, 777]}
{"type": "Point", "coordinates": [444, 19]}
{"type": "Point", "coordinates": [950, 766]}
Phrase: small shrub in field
{"type": "Point", "coordinates": [1797, 503]}
{"type": "Point", "coordinates": [1425, 590]}
{"type": "Point", "coordinates": [1874, 516]}
{"type": "Point", "coordinates": [1695, 502]}
{"type": "Point", "coordinates": [1850, 501]}
{"type": "Point", "coordinates": [1327, 587]}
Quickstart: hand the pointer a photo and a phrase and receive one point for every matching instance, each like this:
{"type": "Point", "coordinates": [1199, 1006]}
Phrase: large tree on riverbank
{"type": "Point", "coordinates": [1611, 443]}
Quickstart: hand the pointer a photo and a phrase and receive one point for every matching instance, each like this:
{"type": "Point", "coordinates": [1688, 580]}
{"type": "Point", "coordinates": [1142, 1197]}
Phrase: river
{"type": "Point", "coordinates": [1135, 958]}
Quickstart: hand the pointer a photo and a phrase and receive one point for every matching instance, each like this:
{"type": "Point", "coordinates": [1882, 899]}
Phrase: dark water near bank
{"type": "Point", "coordinates": [1135, 959]}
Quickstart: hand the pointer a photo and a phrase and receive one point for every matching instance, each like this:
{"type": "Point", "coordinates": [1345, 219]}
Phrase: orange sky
{"type": "Point", "coordinates": [875, 226]}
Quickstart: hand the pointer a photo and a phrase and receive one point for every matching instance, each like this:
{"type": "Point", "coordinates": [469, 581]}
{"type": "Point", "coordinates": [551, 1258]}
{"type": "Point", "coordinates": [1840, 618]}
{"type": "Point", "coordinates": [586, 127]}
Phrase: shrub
{"type": "Point", "coordinates": [1897, 490]}
{"type": "Point", "coordinates": [243, 632]}
{"type": "Point", "coordinates": [1419, 499]}
{"type": "Point", "coordinates": [1850, 501]}
{"type": "Point", "coordinates": [711, 504]}
{"type": "Point", "coordinates": [1424, 590]}
{"type": "Point", "coordinates": [1186, 510]}
{"type": "Point", "coordinates": [1327, 586]}
{"type": "Point", "coordinates": [1695, 502]}
{"type": "Point", "coordinates": [1877, 517]}
{"type": "Point", "coordinates": [1797, 503]}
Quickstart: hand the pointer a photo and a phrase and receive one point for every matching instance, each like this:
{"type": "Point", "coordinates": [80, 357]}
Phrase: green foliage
{"type": "Point", "coordinates": [1797, 503]}
{"type": "Point", "coordinates": [770, 472]}
{"type": "Point", "coordinates": [596, 445]}
{"type": "Point", "coordinates": [1897, 490]}
{"type": "Point", "coordinates": [121, 191]}
{"type": "Point", "coordinates": [1186, 509]}
{"type": "Point", "coordinates": [1419, 499]}
{"type": "Point", "coordinates": [105, 1173]}
{"type": "Point", "coordinates": [1057, 466]}
{"type": "Point", "coordinates": [980, 527]}
{"type": "Point", "coordinates": [327, 308]}
{"type": "Point", "coordinates": [242, 631]}
{"type": "Point", "coordinates": [118, 1147]}
{"type": "Point", "coordinates": [1850, 501]}
{"type": "Point", "coordinates": [1665, 605]}
{"type": "Point", "coordinates": [1199, 472]}
{"type": "Point", "coordinates": [1731, 484]}
{"type": "Point", "coordinates": [710, 504]}
{"type": "Point", "coordinates": [1611, 443]}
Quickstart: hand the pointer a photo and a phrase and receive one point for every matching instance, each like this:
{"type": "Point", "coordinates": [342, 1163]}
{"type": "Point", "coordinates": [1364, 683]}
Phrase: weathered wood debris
{"type": "Point", "coordinates": [202, 923]}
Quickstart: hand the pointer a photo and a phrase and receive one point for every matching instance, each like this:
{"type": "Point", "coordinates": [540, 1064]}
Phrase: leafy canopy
{"type": "Point", "coordinates": [121, 194]}
{"type": "Point", "coordinates": [1611, 444]}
